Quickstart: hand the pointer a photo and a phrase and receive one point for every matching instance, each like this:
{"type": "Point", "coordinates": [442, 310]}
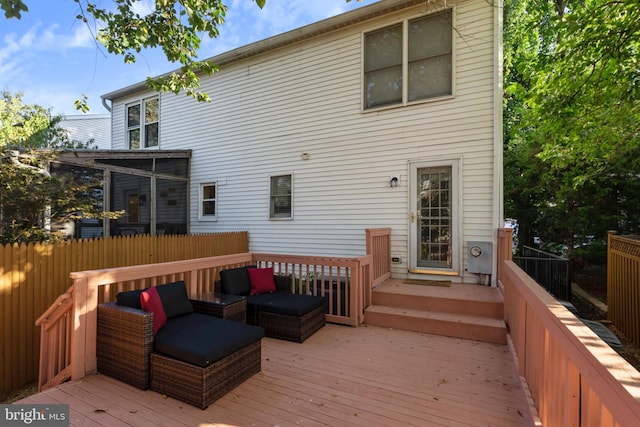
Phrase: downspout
{"type": "Point", "coordinates": [106, 179]}
{"type": "Point", "coordinates": [498, 144]}
{"type": "Point", "coordinates": [104, 104]}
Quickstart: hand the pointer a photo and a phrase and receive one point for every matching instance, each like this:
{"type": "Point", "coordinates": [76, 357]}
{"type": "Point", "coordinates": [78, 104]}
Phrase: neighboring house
{"type": "Point", "coordinates": [96, 127]}
{"type": "Point", "coordinates": [386, 116]}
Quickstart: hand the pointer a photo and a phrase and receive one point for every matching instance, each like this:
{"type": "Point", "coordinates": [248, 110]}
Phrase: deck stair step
{"type": "Point", "coordinates": [461, 310]}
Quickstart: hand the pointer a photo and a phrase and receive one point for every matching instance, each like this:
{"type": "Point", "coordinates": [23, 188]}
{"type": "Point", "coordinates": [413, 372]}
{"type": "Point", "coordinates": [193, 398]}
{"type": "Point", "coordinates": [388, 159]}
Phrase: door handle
{"type": "Point", "coordinates": [413, 217]}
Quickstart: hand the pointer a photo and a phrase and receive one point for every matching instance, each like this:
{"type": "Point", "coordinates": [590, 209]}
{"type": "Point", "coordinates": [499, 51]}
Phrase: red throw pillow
{"type": "Point", "coordinates": [261, 280]}
{"type": "Point", "coordinates": [150, 301]}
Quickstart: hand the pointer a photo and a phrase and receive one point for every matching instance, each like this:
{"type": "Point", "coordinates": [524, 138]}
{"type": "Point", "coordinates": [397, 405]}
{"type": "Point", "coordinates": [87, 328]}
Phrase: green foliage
{"type": "Point", "coordinates": [594, 253]}
{"type": "Point", "coordinates": [174, 26]}
{"type": "Point", "coordinates": [31, 126]}
{"type": "Point", "coordinates": [31, 197]}
{"type": "Point", "coordinates": [13, 8]}
{"type": "Point", "coordinates": [572, 117]}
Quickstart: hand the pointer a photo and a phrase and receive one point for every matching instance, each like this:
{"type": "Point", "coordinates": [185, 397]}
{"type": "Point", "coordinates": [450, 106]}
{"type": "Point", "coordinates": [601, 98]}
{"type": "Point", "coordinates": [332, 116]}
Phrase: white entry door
{"type": "Point", "coordinates": [434, 218]}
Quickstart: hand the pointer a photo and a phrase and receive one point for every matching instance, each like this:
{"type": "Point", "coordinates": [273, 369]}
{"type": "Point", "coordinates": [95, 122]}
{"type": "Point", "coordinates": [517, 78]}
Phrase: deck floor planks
{"type": "Point", "coordinates": [384, 391]}
{"type": "Point", "coordinates": [114, 396]}
{"type": "Point", "coordinates": [352, 406]}
{"type": "Point", "coordinates": [365, 376]}
{"type": "Point", "coordinates": [180, 413]}
{"type": "Point", "coordinates": [477, 373]}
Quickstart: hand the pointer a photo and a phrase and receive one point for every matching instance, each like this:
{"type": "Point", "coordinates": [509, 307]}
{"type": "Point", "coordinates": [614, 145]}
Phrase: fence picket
{"type": "Point", "coordinates": [33, 275]}
{"type": "Point", "coordinates": [623, 285]}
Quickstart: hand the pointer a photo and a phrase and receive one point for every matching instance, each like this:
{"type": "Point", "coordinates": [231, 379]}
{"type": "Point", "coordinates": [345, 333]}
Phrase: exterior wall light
{"type": "Point", "coordinates": [393, 182]}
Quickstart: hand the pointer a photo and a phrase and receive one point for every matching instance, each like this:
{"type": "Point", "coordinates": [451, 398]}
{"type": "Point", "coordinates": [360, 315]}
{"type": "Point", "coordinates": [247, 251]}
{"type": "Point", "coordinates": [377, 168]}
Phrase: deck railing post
{"type": "Point", "coordinates": [78, 339]}
{"type": "Point", "coordinates": [505, 249]}
{"type": "Point", "coordinates": [378, 246]}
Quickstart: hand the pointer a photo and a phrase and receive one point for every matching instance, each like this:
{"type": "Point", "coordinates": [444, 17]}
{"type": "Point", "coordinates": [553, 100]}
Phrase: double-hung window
{"type": "Point", "coordinates": [208, 202]}
{"type": "Point", "coordinates": [280, 201]}
{"type": "Point", "coordinates": [409, 61]}
{"type": "Point", "coordinates": [142, 123]}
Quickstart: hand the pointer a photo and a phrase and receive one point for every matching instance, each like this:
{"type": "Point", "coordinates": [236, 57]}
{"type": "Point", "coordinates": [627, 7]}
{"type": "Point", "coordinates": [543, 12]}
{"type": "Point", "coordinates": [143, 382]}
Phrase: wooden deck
{"type": "Point", "coordinates": [367, 376]}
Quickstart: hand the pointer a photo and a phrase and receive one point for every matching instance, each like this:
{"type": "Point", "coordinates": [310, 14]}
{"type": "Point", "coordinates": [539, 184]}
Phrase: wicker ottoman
{"type": "Point", "coordinates": [292, 328]}
{"type": "Point", "coordinates": [200, 386]}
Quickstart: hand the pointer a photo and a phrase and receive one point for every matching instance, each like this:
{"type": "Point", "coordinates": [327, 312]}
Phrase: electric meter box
{"type": "Point", "coordinates": [480, 257]}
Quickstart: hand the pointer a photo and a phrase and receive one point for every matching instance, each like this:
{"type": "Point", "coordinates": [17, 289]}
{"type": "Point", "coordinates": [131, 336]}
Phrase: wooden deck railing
{"type": "Point", "coordinates": [575, 379]}
{"type": "Point", "coordinates": [623, 285]}
{"type": "Point", "coordinates": [379, 247]}
{"type": "Point", "coordinates": [55, 340]}
{"type": "Point", "coordinates": [33, 275]}
{"type": "Point", "coordinates": [345, 281]}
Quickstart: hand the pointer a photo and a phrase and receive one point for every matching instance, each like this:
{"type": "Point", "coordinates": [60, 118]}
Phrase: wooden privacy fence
{"type": "Point", "coordinates": [623, 285]}
{"type": "Point", "coordinates": [71, 350]}
{"type": "Point", "coordinates": [575, 378]}
{"type": "Point", "coordinates": [34, 275]}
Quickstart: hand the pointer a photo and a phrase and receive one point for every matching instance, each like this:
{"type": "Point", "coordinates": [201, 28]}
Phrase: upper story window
{"type": "Point", "coordinates": [280, 205]}
{"type": "Point", "coordinates": [142, 123]}
{"type": "Point", "coordinates": [409, 61]}
{"type": "Point", "coordinates": [208, 202]}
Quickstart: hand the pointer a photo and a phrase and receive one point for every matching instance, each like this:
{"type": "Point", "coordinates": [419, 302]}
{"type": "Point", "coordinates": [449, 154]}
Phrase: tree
{"type": "Point", "coordinates": [25, 126]}
{"type": "Point", "coordinates": [572, 116]}
{"type": "Point", "coordinates": [175, 26]}
{"type": "Point", "coordinates": [31, 198]}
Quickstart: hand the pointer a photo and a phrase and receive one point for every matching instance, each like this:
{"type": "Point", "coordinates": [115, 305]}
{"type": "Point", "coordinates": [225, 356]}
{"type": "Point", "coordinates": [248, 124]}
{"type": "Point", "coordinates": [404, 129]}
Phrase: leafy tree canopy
{"type": "Point", "coordinates": [175, 26]}
{"type": "Point", "coordinates": [572, 116]}
{"type": "Point", "coordinates": [32, 200]}
{"type": "Point", "coordinates": [24, 126]}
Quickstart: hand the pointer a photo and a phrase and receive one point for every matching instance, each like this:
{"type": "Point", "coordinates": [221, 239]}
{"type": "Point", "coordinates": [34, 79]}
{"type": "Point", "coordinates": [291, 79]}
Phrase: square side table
{"type": "Point", "coordinates": [224, 306]}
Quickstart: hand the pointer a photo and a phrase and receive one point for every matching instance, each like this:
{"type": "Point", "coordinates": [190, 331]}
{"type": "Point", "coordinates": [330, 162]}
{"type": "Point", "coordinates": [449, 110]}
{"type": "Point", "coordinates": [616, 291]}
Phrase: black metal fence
{"type": "Point", "coordinates": [550, 271]}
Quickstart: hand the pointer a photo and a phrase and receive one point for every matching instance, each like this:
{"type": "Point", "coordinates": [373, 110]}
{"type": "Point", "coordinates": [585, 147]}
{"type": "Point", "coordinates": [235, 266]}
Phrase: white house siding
{"type": "Point", "coordinates": [94, 127]}
{"type": "Point", "coordinates": [306, 98]}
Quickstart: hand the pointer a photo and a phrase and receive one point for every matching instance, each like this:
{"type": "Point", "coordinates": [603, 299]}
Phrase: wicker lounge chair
{"type": "Point", "coordinates": [194, 358]}
{"type": "Point", "coordinates": [281, 314]}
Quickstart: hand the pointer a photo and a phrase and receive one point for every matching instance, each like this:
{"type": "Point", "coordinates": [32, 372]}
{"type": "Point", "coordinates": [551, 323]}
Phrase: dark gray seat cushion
{"type": "Point", "coordinates": [175, 300]}
{"type": "Point", "coordinates": [235, 281]}
{"type": "Point", "coordinates": [201, 340]}
{"type": "Point", "coordinates": [130, 299]}
{"type": "Point", "coordinates": [281, 302]}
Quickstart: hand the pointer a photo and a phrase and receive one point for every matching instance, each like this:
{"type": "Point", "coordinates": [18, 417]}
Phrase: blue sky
{"type": "Point", "coordinates": [52, 58]}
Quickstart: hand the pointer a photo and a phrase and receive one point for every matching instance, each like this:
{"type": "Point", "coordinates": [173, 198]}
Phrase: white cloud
{"type": "Point", "coordinates": [143, 7]}
{"type": "Point", "coordinates": [52, 57]}
{"type": "Point", "coordinates": [246, 23]}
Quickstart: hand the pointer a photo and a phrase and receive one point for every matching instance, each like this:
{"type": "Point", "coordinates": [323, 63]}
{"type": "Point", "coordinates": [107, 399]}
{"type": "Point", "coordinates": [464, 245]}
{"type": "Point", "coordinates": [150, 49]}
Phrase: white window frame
{"type": "Point", "coordinates": [272, 215]}
{"type": "Point", "coordinates": [405, 64]}
{"type": "Point", "coordinates": [201, 200]}
{"type": "Point", "coordinates": [142, 125]}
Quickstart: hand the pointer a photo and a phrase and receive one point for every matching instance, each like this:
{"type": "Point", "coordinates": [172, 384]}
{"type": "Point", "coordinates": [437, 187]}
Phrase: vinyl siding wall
{"type": "Point", "coordinates": [307, 98]}
{"type": "Point", "coordinates": [89, 127]}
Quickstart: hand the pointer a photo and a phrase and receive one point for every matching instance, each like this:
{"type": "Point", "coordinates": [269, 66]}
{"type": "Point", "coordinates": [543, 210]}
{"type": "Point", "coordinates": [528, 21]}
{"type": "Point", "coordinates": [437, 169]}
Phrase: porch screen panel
{"type": "Point", "coordinates": [171, 207]}
{"type": "Point", "coordinates": [132, 194]}
{"type": "Point", "coordinates": [435, 217]}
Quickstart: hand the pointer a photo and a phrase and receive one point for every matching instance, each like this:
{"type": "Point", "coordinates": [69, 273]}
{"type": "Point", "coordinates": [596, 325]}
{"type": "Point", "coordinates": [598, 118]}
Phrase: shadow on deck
{"type": "Point", "coordinates": [368, 376]}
